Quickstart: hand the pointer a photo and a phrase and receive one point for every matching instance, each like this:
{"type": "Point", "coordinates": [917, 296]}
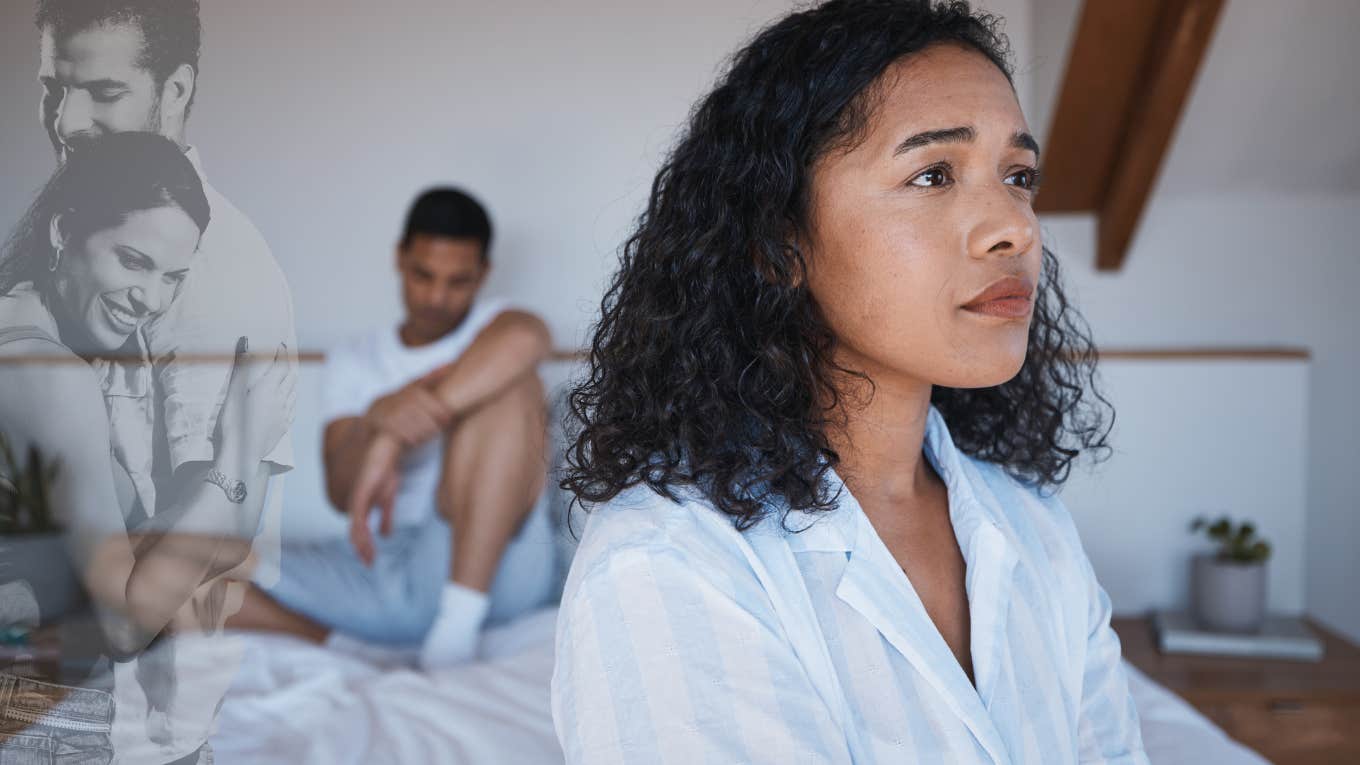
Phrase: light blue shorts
{"type": "Point", "coordinates": [395, 601]}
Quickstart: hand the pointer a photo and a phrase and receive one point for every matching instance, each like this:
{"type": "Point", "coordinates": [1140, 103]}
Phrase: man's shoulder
{"type": "Point", "coordinates": [360, 348]}
{"type": "Point", "coordinates": [226, 221]}
{"type": "Point", "coordinates": [232, 240]}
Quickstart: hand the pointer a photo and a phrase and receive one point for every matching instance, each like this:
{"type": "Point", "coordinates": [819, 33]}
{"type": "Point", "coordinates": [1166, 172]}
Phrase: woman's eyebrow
{"type": "Point", "coordinates": [962, 134]}
{"type": "Point", "coordinates": [1023, 140]}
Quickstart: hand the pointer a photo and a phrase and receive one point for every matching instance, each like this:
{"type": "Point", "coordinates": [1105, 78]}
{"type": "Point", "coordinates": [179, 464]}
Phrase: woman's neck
{"type": "Point", "coordinates": [69, 331]}
{"type": "Point", "coordinates": [880, 440]}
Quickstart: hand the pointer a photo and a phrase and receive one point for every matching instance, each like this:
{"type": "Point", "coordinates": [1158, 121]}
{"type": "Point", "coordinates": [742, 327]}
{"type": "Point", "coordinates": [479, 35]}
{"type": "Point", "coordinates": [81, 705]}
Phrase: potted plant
{"type": "Point", "coordinates": [31, 545]}
{"type": "Point", "coordinates": [1228, 587]}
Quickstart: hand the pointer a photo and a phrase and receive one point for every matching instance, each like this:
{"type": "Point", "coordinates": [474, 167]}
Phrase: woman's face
{"type": "Point", "coordinates": [923, 247]}
{"type": "Point", "coordinates": [123, 276]}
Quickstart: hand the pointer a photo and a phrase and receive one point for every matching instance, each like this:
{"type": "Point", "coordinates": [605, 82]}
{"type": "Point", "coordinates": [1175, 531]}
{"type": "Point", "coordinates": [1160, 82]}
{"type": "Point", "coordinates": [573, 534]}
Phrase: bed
{"type": "Point", "coordinates": [293, 702]}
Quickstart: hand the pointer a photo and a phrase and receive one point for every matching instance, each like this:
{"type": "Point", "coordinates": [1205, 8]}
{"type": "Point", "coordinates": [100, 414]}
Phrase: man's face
{"type": "Point", "coordinates": [439, 279]}
{"type": "Point", "coordinates": [93, 85]}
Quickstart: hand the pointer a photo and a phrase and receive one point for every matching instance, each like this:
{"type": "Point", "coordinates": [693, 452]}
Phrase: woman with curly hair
{"type": "Point", "coordinates": [833, 389]}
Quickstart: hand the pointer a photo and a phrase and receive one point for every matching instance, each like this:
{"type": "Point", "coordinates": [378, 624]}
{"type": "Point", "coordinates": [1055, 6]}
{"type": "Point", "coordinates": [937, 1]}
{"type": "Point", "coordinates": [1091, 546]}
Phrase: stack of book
{"type": "Point", "coordinates": [1280, 637]}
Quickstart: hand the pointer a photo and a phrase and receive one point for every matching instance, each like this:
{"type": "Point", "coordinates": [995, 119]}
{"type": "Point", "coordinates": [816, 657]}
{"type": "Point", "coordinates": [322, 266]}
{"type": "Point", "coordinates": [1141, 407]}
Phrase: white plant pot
{"type": "Point", "coordinates": [1226, 595]}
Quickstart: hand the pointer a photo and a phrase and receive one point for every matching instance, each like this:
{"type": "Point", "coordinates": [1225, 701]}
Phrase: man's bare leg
{"type": "Point", "coordinates": [495, 467]}
{"type": "Point", "coordinates": [261, 613]}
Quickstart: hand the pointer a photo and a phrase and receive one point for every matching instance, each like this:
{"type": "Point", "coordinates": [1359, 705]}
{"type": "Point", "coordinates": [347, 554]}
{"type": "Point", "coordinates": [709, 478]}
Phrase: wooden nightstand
{"type": "Point", "coordinates": [1293, 713]}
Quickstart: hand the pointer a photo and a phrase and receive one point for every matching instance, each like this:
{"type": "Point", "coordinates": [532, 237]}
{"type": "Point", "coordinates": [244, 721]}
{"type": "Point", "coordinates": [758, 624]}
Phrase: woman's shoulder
{"type": "Point", "coordinates": [26, 326]}
{"type": "Point", "coordinates": [642, 516]}
{"type": "Point", "coordinates": [643, 525]}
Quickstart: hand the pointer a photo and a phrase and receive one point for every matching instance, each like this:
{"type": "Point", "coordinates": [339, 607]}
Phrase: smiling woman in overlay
{"type": "Point", "coordinates": [102, 251]}
{"type": "Point", "coordinates": [834, 388]}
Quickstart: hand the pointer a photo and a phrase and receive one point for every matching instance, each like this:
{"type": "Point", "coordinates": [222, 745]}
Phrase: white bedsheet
{"type": "Point", "coordinates": [296, 703]}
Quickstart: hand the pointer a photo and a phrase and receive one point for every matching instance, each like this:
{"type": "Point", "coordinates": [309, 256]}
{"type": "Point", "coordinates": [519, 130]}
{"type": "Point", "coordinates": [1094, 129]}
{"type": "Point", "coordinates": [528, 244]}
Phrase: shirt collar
{"type": "Point", "coordinates": [130, 377]}
{"type": "Point", "coordinates": [837, 530]}
{"type": "Point", "coordinates": [197, 161]}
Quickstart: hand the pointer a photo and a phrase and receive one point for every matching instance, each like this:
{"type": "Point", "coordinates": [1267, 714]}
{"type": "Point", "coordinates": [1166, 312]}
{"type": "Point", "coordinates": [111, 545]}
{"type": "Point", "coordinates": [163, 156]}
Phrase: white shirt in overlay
{"type": "Point", "coordinates": [682, 640]}
{"type": "Point", "coordinates": [163, 410]}
{"type": "Point", "coordinates": [234, 288]}
{"type": "Point", "coordinates": [360, 372]}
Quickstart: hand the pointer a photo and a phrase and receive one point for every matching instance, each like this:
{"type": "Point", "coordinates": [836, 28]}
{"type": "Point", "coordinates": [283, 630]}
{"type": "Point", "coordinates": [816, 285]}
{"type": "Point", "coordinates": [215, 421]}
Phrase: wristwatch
{"type": "Point", "coordinates": [235, 490]}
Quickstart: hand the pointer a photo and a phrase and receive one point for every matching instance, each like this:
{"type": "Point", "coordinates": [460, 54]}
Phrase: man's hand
{"type": "Point", "coordinates": [413, 414]}
{"type": "Point", "coordinates": [375, 483]}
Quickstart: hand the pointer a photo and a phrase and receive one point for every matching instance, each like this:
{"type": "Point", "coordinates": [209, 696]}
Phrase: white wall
{"type": "Point", "coordinates": [1192, 439]}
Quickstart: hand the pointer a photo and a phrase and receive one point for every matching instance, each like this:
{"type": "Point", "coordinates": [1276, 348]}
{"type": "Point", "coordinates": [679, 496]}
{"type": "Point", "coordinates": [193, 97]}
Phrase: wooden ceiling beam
{"type": "Point", "coordinates": [1132, 65]}
{"type": "Point", "coordinates": [1185, 30]}
{"type": "Point", "coordinates": [1096, 98]}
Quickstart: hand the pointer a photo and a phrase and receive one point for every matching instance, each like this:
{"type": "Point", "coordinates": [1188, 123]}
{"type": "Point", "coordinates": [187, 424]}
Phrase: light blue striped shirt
{"type": "Point", "coordinates": [682, 640]}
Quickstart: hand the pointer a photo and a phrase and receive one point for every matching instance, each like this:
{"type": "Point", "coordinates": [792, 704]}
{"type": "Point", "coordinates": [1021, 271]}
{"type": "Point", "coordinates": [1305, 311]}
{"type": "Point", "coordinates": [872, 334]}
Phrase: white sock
{"type": "Point", "coordinates": [374, 653]}
{"type": "Point", "coordinates": [457, 628]}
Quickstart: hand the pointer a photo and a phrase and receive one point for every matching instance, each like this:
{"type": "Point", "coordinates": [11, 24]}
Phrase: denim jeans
{"type": "Point", "coordinates": [49, 724]}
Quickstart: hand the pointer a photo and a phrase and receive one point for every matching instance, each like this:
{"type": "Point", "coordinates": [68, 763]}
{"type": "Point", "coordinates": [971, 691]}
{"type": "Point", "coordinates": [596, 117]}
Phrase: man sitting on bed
{"type": "Point", "coordinates": [439, 424]}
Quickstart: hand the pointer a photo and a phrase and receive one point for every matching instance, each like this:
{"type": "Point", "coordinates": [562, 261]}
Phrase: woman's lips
{"type": "Point", "coordinates": [122, 320]}
{"type": "Point", "coordinates": [1011, 297]}
{"type": "Point", "coordinates": [1006, 308]}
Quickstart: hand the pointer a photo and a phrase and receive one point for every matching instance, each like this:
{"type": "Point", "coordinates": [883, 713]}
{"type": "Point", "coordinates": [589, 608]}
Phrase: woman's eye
{"type": "Point", "coordinates": [931, 177]}
{"type": "Point", "coordinates": [130, 263]}
{"type": "Point", "coordinates": [1027, 178]}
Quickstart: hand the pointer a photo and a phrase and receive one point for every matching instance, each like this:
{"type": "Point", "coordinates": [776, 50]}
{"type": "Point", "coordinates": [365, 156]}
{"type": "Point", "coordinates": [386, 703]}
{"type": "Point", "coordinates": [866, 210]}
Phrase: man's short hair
{"type": "Point", "coordinates": [171, 31]}
{"type": "Point", "coordinates": [451, 214]}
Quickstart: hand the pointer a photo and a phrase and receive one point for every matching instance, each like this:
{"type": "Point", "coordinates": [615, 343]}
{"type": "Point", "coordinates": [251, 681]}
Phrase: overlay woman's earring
{"type": "Point", "coordinates": [57, 241]}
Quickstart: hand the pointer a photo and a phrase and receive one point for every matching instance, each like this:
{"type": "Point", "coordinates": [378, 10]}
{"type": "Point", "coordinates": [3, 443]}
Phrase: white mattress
{"type": "Point", "coordinates": [293, 702]}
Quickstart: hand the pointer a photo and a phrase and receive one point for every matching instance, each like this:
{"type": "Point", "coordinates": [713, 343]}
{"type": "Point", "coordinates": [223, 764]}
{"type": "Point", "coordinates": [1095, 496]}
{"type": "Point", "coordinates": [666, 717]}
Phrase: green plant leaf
{"type": "Point", "coordinates": [1261, 550]}
{"type": "Point", "coordinates": [1221, 528]}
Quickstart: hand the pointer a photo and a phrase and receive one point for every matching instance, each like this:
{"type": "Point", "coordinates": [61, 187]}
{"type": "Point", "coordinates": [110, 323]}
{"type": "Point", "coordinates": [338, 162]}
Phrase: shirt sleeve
{"type": "Point", "coordinates": [234, 289]}
{"type": "Point", "coordinates": [662, 660]}
{"type": "Point", "coordinates": [1109, 730]}
{"type": "Point", "coordinates": [341, 394]}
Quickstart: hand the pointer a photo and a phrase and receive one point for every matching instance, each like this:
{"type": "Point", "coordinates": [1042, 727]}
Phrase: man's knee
{"type": "Point", "coordinates": [526, 395]}
{"type": "Point", "coordinates": [523, 403]}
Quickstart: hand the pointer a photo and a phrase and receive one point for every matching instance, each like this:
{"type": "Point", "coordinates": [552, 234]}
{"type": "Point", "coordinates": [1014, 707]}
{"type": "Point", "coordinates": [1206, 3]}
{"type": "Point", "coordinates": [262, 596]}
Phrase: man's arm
{"type": "Point", "coordinates": [510, 346]}
{"type": "Point", "coordinates": [343, 444]}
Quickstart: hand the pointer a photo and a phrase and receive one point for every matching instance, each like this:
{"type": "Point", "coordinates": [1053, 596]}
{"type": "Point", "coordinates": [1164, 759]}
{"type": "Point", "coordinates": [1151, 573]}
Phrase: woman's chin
{"type": "Point", "coordinates": [1001, 371]}
{"type": "Point", "coordinates": [104, 340]}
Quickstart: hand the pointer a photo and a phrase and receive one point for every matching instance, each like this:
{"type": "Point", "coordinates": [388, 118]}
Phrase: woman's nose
{"type": "Point", "coordinates": [1004, 225]}
{"type": "Point", "coordinates": [151, 298]}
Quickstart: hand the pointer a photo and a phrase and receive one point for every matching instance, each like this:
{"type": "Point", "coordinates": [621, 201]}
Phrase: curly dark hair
{"type": "Point", "coordinates": [711, 365]}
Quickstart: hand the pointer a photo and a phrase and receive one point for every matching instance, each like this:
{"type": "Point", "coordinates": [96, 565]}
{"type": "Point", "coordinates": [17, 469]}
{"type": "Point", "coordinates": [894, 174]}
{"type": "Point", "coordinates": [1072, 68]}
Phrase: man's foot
{"type": "Point", "coordinates": [457, 628]}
